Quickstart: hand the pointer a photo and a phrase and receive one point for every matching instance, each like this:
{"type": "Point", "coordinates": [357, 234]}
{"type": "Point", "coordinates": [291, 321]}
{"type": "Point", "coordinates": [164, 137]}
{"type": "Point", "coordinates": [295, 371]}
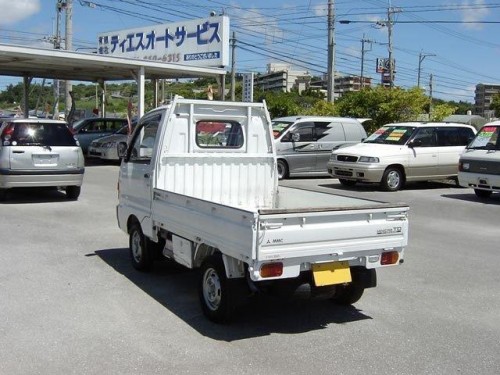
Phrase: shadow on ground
{"type": "Point", "coordinates": [175, 287]}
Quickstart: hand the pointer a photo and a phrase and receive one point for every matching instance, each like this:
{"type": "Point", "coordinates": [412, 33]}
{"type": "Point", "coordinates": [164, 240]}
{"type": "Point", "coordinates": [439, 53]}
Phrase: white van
{"type": "Point", "coordinates": [396, 153]}
{"type": "Point", "coordinates": [304, 143]}
{"type": "Point", "coordinates": [479, 166]}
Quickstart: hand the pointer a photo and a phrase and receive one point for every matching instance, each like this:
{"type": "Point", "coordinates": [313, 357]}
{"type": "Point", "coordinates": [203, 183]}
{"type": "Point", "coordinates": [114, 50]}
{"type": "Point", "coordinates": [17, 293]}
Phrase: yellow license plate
{"type": "Point", "coordinates": [331, 273]}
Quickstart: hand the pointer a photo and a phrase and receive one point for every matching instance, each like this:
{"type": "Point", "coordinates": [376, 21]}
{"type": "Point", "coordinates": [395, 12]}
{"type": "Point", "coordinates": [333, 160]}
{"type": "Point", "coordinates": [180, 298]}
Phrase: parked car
{"type": "Point", "coordinates": [88, 129]}
{"type": "Point", "coordinates": [479, 165]}
{"type": "Point", "coordinates": [39, 153]}
{"type": "Point", "coordinates": [401, 152]}
{"type": "Point", "coordinates": [304, 143]}
{"type": "Point", "coordinates": [106, 147]}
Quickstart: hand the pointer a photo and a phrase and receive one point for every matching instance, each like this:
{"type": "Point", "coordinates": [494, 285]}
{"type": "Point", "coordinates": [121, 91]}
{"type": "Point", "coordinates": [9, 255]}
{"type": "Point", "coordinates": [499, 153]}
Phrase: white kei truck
{"type": "Point", "coordinates": [198, 184]}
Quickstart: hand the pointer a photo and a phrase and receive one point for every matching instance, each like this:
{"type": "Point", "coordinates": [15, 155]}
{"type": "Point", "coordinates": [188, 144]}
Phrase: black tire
{"type": "Point", "coordinates": [282, 169]}
{"type": "Point", "coordinates": [73, 192]}
{"type": "Point", "coordinates": [139, 247]}
{"type": "Point", "coordinates": [345, 182]}
{"type": "Point", "coordinates": [483, 194]}
{"type": "Point", "coordinates": [216, 292]}
{"type": "Point", "coordinates": [393, 179]}
{"type": "Point", "coordinates": [348, 294]}
{"type": "Point", "coordinates": [3, 195]}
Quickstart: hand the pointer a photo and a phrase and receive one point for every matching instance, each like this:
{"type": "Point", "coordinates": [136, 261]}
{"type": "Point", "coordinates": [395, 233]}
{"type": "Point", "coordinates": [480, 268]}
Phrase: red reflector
{"type": "Point", "coordinates": [271, 270]}
{"type": "Point", "coordinates": [390, 257]}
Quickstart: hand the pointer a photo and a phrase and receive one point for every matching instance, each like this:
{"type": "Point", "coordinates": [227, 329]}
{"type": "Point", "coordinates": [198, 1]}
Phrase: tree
{"type": "Point", "coordinates": [495, 104]}
{"type": "Point", "coordinates": [383, 105]}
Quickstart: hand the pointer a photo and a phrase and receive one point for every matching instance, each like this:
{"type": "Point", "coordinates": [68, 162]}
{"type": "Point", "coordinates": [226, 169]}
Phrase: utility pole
{"type": "Point", "coordinates": [430, 100]}
{"type": "Point", "coordinates": [331, 52]}
{"type": "Point", "coordinates": [57, 45]}
{"type": "Point", "coordinates": [363, 41]}
{"type": "Point", "coordinates": [68, 46]}
{"type": "Point", "coordinates": [233, 65]}
{"type": "Point", "coordinates": [390, 23]}
{"type": "Point", "coordinates": [421, 57]}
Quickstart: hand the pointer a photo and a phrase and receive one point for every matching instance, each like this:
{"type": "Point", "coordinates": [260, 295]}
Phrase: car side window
{"type": "Point", "coordinates": [143, 141]}
{"type": "Point", "coordinates": [320, 128]}
{"type": "Point", "coordinates": [96, 126]}
{"type": "Point", "coordinates": [426, 137]}
{"type": "Point", "coordinates": [305, 132]}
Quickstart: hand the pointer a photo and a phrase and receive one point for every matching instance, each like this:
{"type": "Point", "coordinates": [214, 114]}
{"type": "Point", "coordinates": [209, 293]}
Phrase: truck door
{"type": "Point", "coordinates": [136, 170]}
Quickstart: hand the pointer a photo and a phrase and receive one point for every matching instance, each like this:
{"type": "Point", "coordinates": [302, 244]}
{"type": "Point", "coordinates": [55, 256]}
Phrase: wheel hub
{"type": "Point", "coordinates": [212, 289]}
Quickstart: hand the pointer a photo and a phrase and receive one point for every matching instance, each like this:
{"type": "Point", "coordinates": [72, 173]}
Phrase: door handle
{"type": "Point", "coordinates": [18, 152]}
{"type": "Point", "coordinates": [146, 175]}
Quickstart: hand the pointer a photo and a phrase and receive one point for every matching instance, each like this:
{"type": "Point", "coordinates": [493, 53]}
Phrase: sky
{"type": "Point", "coordinates": [455, 41]}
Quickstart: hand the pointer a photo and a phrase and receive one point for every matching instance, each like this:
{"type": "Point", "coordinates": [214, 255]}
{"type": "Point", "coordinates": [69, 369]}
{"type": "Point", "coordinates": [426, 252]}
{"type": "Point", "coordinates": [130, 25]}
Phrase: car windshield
{"type": "Point", "coordinates": [486, 139]}
{"type": "Point", "coordinates": [391, 135]}
{"type": "Point", "coordinates": [37, 134]}
{"type": "Point", "coordinates": [279, 127]}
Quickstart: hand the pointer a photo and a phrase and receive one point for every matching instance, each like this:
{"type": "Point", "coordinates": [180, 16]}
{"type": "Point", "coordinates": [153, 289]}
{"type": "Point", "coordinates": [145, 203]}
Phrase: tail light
{"type": "Point", "coordinates": [271, 270]}
{"type": "Point", "coordinates": [7, 132]}
{"type": "Point", "coordinates": [390, 257]}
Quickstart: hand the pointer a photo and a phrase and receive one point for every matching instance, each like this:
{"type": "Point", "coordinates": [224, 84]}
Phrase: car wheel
{"type": "Point", "coordinates": [140, 254]}
{"type": "Point", "coordinates": [73, 192]}
{"type": "Point", "coordinates": [347, 182]}
{"type": "Point", "coordinates": [282, 170]}
{"type": "Point", "coordinates": [3, 195]}
{"type": "Point", "coordinates": [483, 194]}
{"type": "Point", "coordinates": [216, 292]}
{"type": "Point", "coordinates": [393, 179]}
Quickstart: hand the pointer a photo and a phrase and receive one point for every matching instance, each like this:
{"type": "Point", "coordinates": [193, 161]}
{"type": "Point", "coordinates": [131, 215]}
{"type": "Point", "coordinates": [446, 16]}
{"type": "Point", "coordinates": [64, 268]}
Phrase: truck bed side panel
{"type": "Point", "coordinates": [231, 230]}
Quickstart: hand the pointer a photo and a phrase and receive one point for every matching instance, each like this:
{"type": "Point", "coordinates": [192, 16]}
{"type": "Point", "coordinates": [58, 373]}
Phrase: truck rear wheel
{"type": "Point", "coordinates": [216, 292]}
{"type": "Point", "coordinates": [348, 294]}
{"type": "Point", "coordinates": [362, 278]}
{"type": "Point", "coordinates": [140, 253]}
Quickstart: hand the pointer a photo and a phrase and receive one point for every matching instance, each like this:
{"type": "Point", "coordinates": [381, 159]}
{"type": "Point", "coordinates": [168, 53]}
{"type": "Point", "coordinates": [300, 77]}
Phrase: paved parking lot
{"type": "Point", "coordinates": [72, 304]}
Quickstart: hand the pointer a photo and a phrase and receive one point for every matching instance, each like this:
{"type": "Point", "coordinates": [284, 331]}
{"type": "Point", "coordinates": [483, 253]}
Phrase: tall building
{"type": "Point", "coordinates": [484, 97]}
{"type": "Point", "coordinates": [281, 77]}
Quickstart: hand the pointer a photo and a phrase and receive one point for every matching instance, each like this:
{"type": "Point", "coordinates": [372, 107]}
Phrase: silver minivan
{"type": "Point", "coordinates": [304, 143]}
{"type": "Point", "coordinates": [39, 153]}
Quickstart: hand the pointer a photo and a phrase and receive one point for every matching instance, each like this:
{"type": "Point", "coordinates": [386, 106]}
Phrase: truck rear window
{"type": "Point", "coordinates": [219, 134]}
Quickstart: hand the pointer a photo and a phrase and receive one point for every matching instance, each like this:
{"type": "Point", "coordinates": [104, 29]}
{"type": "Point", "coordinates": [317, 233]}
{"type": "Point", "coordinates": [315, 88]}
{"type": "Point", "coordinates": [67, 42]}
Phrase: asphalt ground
{"type": "Point", "coordinates": [71, 303]}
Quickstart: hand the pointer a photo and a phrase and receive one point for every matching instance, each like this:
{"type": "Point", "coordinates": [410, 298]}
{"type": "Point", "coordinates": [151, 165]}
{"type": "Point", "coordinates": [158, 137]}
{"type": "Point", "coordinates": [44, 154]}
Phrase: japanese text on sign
{"type": "Point", "coordinates": [203, 42]}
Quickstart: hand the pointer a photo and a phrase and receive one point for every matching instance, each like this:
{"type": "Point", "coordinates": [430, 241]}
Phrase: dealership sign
{"type": "Point", "coordinates": [203, 42]}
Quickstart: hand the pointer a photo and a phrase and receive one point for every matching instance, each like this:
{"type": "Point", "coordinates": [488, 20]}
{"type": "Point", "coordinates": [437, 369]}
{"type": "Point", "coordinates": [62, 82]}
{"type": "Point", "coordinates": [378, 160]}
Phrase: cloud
{"type": "Point", "coordinates": [17, 10]}
{"type": "Point", "coordinates": [474, 15]}
{"type": "Point", "coordinates": [254, 21]}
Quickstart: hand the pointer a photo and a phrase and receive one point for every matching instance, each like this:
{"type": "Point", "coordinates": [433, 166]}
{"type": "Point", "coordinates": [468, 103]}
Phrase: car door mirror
{"type": "Point", "coordinates": [295, 137]}
{"type": "Point", "coordinates": [121, 148]}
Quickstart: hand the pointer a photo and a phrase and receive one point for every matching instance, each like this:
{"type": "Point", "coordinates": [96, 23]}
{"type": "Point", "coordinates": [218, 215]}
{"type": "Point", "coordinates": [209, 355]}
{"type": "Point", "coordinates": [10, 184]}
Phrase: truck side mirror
{"type": "Point", "coordinates": [121, 148]}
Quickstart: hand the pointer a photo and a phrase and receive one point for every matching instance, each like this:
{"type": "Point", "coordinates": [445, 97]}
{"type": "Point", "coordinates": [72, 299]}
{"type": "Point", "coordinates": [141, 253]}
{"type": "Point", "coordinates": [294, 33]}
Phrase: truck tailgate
{"type": "Point", "coordinates": [326, 235]}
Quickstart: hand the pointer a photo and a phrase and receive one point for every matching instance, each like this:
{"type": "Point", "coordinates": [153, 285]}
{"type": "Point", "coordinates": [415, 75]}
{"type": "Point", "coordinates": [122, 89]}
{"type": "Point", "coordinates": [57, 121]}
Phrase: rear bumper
{"type": "Point", "coordinates": [40, 178]}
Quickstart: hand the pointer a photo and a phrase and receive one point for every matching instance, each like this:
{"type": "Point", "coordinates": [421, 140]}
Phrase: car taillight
{"type": "Point", "coordinates": [7, 132]}
{"type": "Point", "coordinates": [271, 269]}
{"type": "Point", "coordinates": [390, 257]}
